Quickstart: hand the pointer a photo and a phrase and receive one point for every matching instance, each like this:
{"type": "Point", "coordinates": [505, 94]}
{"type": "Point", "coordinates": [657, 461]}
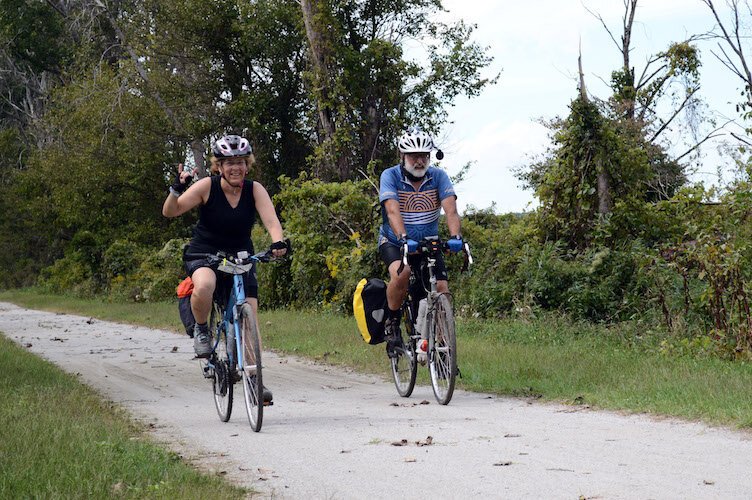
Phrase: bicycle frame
{"type": "Point", "coordinates": [231, 313]}
{"type": "Point", "coordinates": [432, 294]}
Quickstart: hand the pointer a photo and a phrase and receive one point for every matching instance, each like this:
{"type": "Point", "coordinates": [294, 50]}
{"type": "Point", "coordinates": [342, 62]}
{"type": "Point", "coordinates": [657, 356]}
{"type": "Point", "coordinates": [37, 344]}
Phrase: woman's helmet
{"type": "Point", "coordinates": [415, 140]}
{"type": "Point", "coordinates": [232, 146]}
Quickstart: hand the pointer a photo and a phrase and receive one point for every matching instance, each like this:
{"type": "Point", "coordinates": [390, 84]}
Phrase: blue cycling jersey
{"type": "Point", "coordinates": [420, 208]}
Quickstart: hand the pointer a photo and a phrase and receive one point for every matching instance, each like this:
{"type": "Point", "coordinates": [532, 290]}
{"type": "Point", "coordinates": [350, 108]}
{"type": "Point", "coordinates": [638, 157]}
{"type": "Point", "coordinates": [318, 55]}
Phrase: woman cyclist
{"type": "Point", "coordinates": [228, 204]}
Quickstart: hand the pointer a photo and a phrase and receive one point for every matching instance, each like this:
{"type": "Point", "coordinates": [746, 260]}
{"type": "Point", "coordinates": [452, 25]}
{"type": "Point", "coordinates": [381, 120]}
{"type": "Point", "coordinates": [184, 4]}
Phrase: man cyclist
{"type": "Point", "coordinates": [412, 195]}
{"type": "Point", "coordinates": [228, 204]}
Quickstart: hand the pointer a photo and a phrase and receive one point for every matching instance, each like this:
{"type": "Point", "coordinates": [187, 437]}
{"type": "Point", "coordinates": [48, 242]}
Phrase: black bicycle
{"type": "Point", "coordinates": [428, 316]}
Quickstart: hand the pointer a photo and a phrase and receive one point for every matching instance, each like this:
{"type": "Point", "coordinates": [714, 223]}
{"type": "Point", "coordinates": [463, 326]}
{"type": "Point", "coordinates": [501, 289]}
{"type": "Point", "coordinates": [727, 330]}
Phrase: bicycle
{"type": "Point", "coordinates": [438, 327]}
{"type": "Point", "coordinates": [233, 329]}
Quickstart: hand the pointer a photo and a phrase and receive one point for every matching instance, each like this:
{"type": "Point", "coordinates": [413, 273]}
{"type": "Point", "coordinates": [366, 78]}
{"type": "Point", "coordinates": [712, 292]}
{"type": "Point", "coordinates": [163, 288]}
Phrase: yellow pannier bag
{"type": "Point", "coordinates": [369, 307]}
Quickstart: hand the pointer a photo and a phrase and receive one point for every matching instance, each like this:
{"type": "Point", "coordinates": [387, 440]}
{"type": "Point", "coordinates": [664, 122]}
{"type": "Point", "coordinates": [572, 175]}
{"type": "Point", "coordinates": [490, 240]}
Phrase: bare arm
{"type": "Point", "coordinates": [449, 204]}
{"type": "Point", "coordinates": [268, 215]}
{"type": "Point", "coordinates": [395, 217]}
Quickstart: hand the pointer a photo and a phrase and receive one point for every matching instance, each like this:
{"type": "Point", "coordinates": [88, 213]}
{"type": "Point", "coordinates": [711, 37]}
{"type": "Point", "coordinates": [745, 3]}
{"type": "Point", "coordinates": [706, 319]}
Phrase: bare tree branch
{"type": "Point", "coordinates": [713, 133]}
{"type": "Point", "coordinates": [676, 113]}
{"type": "Point", "coordinates": [605, 26]}
{"type": "Point", "coordinates": [733, 39]}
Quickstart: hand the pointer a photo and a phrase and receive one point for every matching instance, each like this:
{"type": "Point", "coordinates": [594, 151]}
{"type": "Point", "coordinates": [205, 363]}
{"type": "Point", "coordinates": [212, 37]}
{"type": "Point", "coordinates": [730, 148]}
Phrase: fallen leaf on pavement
{"type": "Point", "coordinates": [428, 442]}
{"type": "Point", "coordinates": [401, 442]}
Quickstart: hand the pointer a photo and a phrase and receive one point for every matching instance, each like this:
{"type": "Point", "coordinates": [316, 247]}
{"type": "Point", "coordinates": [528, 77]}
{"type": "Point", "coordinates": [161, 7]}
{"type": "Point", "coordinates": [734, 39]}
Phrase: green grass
{"type": "Point", "coordinates": [551, 358]}
{"type": "Point", "coordinates": [60, 440]}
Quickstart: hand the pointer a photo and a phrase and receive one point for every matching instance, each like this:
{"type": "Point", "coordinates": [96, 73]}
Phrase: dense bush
{"type": "Point", "coordinates": [333, 228]}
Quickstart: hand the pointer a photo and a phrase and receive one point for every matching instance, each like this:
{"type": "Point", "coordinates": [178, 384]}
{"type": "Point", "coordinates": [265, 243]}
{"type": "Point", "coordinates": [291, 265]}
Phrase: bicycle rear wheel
{"type": "Point", "coordinates": [220, 365]}
{"type": "Point", "coordinates": [251, 374]}
{"type": "Point", "coordinates": [442, 360]}
{"type": "Point", "coordinates": [405, 365]}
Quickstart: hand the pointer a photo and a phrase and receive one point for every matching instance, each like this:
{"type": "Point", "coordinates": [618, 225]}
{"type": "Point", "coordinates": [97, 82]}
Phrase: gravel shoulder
{"type": "Point", "coordinates": [336, 434]}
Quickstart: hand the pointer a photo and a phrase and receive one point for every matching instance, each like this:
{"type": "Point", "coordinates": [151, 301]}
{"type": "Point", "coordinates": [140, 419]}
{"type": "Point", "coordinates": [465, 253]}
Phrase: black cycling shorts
{"type": "Point", "coordinates": [224, 281]}
{"type": "Point", "coordinates": [389, 253]}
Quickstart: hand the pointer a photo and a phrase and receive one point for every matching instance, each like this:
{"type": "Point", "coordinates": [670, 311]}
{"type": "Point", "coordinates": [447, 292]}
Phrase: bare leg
{"type": "Point", "coordinates": [396, 289]}
{"type": "Point", "coordinates": [204, 283]}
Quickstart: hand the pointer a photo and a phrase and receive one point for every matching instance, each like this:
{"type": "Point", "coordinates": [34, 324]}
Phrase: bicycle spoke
{"type": "Point", "coordinates": [405, 365]}
{"type": "Point", "coordinates": [221, 378]}
{"type": "Point", "coordinates": [443, 357]}
{"type": "Point", "coordinates": [252, 372]}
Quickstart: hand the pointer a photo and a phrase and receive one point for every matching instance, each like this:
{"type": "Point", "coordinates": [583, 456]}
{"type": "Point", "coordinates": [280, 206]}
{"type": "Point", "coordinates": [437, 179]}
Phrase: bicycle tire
{"type": "Point", "coordinates": [222, 371]}
{"type": "Point", "coordinates": [251, 374]}
{"type": "Point", "coordinates": [442, 356]}
{"type": "Point", "coordinates": [405, 365]}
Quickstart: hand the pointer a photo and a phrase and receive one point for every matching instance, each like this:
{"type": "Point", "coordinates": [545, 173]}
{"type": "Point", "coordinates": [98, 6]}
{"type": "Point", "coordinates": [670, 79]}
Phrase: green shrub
{"type": "Point", "coordinates": [121, 258]}
{"type": "Point", "coordinates": [332, 226]}
{"type": "Point", "coordinates": [155, 277]}
{"type": "Point", "coordinates": [68, 276]}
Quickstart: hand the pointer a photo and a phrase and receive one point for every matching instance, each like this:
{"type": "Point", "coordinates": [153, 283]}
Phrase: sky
{"type": "Point", "coordinates": [535, 45]}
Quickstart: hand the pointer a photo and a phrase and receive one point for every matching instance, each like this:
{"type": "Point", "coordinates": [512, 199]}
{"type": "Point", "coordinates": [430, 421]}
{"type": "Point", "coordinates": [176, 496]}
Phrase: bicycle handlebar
{"type": "Point", "coordinates": [240, 258]}
{"type": "Point", "coordinates": [432, 246]}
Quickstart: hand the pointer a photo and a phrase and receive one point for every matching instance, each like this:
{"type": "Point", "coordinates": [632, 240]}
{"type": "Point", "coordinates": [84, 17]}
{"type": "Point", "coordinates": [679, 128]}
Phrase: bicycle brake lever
{"type": "Point", "coordinates": [467, 252]}
{"type": "Point", "coordinates": [404, 260]}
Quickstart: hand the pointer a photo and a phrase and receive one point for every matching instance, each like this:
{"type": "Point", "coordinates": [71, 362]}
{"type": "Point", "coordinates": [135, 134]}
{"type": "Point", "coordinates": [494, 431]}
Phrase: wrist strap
{"type": "Point", "coordinates": [174, 193]}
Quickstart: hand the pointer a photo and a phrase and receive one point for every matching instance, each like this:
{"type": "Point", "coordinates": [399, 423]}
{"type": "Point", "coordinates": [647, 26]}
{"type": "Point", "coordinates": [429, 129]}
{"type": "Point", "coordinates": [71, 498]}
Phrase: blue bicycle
{"type": "Point", "coordinates": [233, 329]}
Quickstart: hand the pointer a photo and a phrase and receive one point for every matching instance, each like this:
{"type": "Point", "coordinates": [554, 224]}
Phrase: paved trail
{"type": "Point", "coordinates": [331, 433]}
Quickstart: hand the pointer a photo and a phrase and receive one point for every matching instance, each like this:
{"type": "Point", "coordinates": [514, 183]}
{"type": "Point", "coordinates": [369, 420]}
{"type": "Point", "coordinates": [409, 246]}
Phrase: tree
{"type": "Point", "coordinates": [672, 75]}
{"type": "Point", "coordinates": [364, 87]}
{"type": "Point", "coordinates": [613, 153]}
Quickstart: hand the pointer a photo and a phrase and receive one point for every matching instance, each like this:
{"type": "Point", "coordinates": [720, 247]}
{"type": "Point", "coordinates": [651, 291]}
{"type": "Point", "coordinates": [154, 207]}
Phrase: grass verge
{"type": "Point", "coordinates": [550, 358]}
{"type": "Point", "coordinates": [60, 440]}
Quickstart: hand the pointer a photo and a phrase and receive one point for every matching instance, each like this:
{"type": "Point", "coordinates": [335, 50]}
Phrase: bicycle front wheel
{"type": "Point", "coordinates": [405, 365]}
{"type": "Point", "coordinates": [251, 374]}
{"type": "Point", "coordinates": [220, 363]}
{"type": "Point", "coordinates": [442, 361]}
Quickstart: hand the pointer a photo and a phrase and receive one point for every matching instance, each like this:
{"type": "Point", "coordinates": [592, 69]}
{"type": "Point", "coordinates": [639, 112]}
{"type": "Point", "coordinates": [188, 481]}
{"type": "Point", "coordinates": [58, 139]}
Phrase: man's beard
{"type": "Point", "coordinates": [410, 173]}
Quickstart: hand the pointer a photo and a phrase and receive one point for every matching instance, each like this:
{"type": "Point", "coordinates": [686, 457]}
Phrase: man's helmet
{"type": "Point", "coordinates": [232, 146]}
{"type": "Point", "coordinates": [415, 140]}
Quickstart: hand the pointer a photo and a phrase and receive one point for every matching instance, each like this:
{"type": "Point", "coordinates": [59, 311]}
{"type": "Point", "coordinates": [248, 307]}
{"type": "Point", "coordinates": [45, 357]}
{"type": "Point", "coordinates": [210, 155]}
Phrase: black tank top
{"type": "Point", "coordinates": [221, 227]}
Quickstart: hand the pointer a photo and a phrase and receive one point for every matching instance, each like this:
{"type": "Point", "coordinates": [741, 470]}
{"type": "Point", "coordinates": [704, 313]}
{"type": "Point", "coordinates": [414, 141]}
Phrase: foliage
{"type": "Point", "coordinates": [332, 226]}
{"type": "Point", "coordinates": [366, 90]}
{"type": "Point", "coordinates": [595, 180]}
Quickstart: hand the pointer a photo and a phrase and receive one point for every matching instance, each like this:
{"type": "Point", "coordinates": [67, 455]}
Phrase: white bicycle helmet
{"type": "Point", "coordinates": [232, 146]}
{"type": "Point", "coordinates": [415, 140]}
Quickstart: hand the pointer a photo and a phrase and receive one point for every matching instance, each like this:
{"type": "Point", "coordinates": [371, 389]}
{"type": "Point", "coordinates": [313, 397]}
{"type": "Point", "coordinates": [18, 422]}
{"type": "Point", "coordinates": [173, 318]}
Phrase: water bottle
{"type": "Point", "coordinates": [420, 324]}
{"type": "Point", "coordinates": [422, 328]}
